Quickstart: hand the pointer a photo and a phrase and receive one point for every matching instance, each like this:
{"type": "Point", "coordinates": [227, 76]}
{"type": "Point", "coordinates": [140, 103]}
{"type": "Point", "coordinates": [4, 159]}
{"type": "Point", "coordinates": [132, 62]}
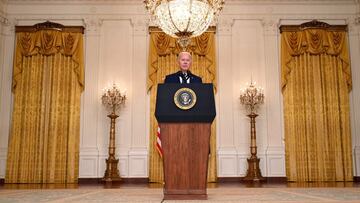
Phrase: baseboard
{"type": "Point", "coordinates": [228, 179]}
{"type": "Point", "coordinates": [146, 180]}
{"type": "Point", "coordinates": [240, 179]}
{"type": "Point", "coordinates": [89, 180]}
{"type": "Point", "coordinates": [99, 180]}
{"type": "Point", "coordinates": [123, 180]}
{"type": "Point", "coordinates": [276, 179]}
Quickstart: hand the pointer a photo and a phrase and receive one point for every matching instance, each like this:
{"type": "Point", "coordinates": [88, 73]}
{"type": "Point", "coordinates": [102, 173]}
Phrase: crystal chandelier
{"type": "Point", "coordinates": [251, 97]}
{"type": "Point", "coordinates": [184, 19]}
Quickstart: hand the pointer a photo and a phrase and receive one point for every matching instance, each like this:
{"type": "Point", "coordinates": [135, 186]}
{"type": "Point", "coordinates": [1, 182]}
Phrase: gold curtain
{"type": "Point", "coordinates": [162, 61]}
{"type": "Point", "coordinates": [48, 78]}
{"type": "Point", "coordinates": [316, 80]}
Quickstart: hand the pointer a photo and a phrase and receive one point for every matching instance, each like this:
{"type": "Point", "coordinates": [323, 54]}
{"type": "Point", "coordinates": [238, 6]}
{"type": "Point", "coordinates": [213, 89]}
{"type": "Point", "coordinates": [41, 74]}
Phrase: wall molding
{"type": "Point", "coordinates": [357, 161]}
{"type": "Point", "coordinates": [3, 158]}
{"type": "Point", "coordinates": [233, 163]}
{"type": "Point", "coordinates": [133, 163]}
{"type": "Point", "coordinates": [275, 158]}
{"type": "Point", "coordinates": [3, 20]}
{"type": "Point", "coordinates": [227, 163]}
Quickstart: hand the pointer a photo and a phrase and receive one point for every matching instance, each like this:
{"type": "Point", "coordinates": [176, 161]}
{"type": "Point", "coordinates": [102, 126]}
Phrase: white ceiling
{"type": "Point", "coordinates": [119, 1]}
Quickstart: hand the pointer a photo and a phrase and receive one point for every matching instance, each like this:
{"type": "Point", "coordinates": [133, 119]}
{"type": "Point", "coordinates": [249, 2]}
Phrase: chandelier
{"type": "Point", "coordinates": [251, 97]}
{"type": "Point", "coordinates": [184, 19]}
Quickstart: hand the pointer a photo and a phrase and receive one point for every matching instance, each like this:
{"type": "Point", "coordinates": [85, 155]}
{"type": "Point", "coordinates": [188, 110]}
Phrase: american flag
{"type": "Point", "coordinates": [158, 142]}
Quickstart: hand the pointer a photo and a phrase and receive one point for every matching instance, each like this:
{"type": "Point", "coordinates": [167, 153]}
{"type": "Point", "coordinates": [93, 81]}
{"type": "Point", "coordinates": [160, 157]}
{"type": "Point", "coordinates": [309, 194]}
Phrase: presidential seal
{"type": "Point", "coordinates": [185, 98]}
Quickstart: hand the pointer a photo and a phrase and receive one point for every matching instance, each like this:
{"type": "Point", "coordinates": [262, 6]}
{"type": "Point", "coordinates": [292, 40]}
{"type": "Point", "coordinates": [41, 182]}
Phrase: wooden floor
{"type": "Point", "coordinates": [223, 192]}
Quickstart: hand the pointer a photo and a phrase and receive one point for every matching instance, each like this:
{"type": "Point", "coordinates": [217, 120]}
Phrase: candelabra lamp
{"type": "Point", "coordinates": [112, 99]}
{"type": "Point", "coordinates": [252, 97]}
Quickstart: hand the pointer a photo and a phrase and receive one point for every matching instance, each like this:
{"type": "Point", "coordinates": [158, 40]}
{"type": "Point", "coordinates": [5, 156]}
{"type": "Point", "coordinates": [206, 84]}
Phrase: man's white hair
{"type": "Point", "coordinates": [182, 53]}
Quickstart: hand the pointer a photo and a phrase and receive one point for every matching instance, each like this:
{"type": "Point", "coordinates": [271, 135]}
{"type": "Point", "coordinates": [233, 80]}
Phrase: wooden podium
{"type": "Point", "coordinates": [185, 139]}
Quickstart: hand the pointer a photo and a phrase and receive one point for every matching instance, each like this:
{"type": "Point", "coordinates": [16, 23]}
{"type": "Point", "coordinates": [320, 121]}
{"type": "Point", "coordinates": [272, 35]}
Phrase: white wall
{"type": "Point", "coordinates": [116, 49]}
{"type": "Point", "coordinates": [6, 55]}
{"type": "Point", "coordinates": [354, 41]}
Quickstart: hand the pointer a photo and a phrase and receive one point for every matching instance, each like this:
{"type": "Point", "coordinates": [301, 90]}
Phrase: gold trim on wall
{"type": "Point", "coordinates": [50, 26]}
{"type": "Point", "coordinates": [314, 24]}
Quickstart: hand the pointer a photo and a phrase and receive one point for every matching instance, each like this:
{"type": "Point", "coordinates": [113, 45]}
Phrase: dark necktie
{"type": "Point", "coordinates": [185, 77]}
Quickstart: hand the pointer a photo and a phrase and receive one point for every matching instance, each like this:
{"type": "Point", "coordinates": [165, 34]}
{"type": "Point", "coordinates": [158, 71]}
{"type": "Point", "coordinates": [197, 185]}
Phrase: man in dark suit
{"type": "Point", "coordinates": [184, 75]}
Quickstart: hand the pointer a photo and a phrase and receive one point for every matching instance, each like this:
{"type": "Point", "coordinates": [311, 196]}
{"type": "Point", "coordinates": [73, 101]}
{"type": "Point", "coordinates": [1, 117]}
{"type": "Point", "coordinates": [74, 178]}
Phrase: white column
{"type": "Point", "coordinates": [354, 44]}
{"type": "Point", "coordinates": [7, 37]}
{"type": "Point", "coordinates": [89, 152]}
{"type": "Point", "coordinates": [138, 154]}
{"type": "Point", "coordinates": [275, 152]}
{"type": "Point", "coordinates": [227, 158]}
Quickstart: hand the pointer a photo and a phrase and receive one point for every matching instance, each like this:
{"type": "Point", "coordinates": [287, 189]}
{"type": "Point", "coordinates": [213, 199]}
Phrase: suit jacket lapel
{"type": "Point", "coordinates": [178, 76]}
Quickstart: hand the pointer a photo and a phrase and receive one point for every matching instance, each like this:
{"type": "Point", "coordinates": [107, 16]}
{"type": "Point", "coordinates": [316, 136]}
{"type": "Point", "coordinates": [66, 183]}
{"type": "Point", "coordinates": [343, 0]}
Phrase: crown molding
{"type": "Point", "coordinates": [3, 20]}
{"type": "Point", "coordinates": [290, 2]}
{"type": "Point", "coordinates": [253, 2]}
{"type": "Point", "coordinates": [2, 6]}
{"type": "Point", "coordinates": [73, 2]}
{"type": "Point", "coordinates": [127, 9]}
